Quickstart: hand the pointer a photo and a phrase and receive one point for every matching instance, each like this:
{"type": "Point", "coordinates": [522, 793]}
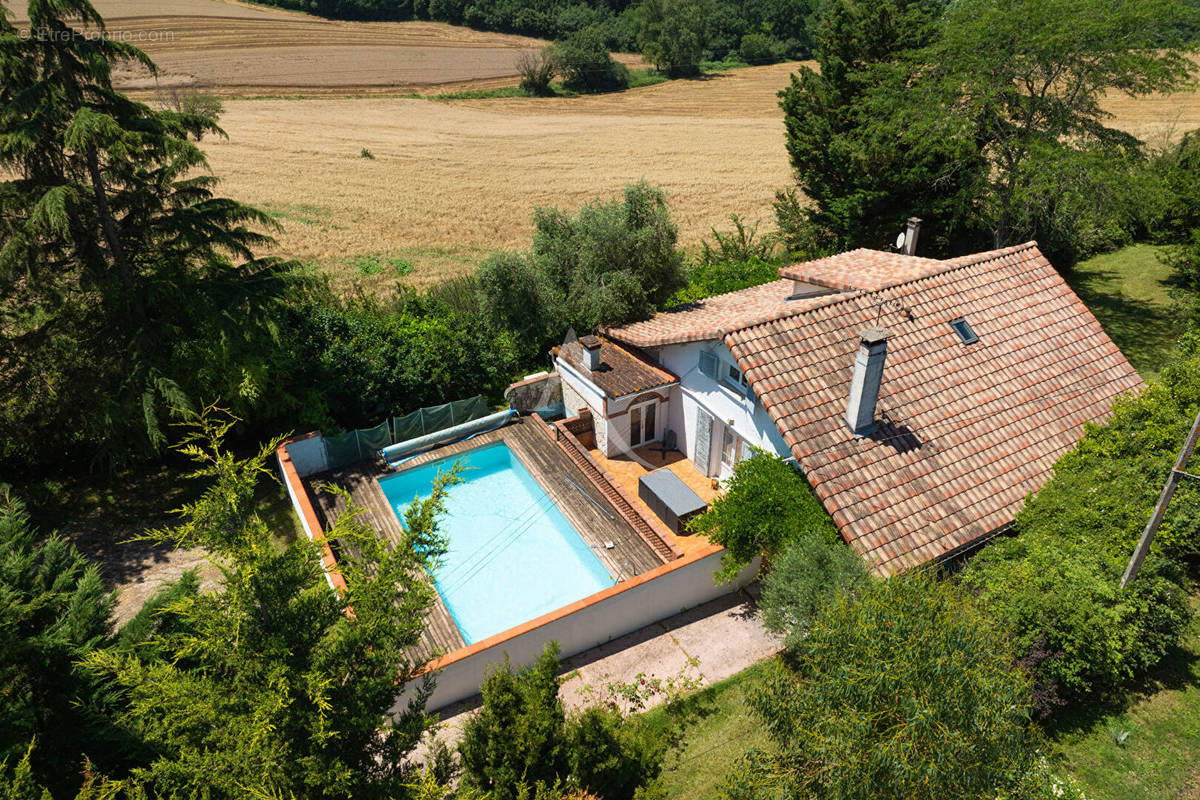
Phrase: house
{"type": "Point", "coordinates": [923, 399]}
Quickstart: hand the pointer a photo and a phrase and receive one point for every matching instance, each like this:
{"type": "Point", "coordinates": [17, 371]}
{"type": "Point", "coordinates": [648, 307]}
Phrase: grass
{"type": "Point", "coordinates": [719, 729]}
{"type": "Point", "coordinates": [1126, 292]}
{"type": "Point", "coordinates": [368, 264]}
{"type": "Point", "coordinates": [1160, 756]}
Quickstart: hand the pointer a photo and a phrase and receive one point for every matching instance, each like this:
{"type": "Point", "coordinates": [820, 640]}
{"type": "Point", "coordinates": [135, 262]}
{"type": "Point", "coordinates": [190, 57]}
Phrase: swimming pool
{"type": "Point", "coordinates": [512, 556]}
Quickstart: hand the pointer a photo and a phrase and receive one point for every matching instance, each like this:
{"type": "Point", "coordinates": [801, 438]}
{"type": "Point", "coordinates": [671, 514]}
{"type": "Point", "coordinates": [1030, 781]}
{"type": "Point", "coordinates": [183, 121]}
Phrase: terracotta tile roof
{"type": "Point", "coordinates": [712, 317]}
{"type": "Point", "coordinates": [870, 270]}
{"type": "Point", "coordinates": [622, 371]}
{"type": "Point", "coordinates": [965, 431]}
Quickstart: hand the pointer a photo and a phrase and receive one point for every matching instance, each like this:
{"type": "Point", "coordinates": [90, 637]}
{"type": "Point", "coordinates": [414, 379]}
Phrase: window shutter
{"type": "Point", "coordinates": [708, 365]}
{"type": "Point", "coordinates": [704, 428]}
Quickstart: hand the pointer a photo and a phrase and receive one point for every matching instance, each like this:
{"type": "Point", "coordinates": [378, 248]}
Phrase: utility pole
{"type": "Point", "coordinates": [1160, 508]}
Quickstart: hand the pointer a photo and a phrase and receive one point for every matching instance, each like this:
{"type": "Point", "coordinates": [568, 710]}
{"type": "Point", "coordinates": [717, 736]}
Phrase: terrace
{"type": "Point", "coordinates": [599, 521]}
{"type": "Point", "coordinates": [547, 541]}
{"type": "Point", "coordinates": [626, 470]}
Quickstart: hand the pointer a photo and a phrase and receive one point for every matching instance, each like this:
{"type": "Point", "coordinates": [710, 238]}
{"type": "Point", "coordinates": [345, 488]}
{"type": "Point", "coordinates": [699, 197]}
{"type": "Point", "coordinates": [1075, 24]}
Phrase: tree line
{"type": "Point", "coordinates": [759, 31]}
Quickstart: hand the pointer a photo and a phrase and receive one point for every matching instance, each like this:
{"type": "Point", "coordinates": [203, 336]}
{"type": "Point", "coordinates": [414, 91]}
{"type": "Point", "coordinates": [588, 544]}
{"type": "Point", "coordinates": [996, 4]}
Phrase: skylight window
{"type": "Point", "coordinates": [963, 329]}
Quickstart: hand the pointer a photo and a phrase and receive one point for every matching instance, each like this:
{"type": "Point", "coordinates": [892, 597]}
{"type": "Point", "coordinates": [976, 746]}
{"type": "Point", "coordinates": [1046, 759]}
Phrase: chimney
{"type": "Point", "coordinates": [910, 236]}
{"type": "Point", "coordinates": [864, 387]}
{"type": "Point", "coordinates": [591, 352]}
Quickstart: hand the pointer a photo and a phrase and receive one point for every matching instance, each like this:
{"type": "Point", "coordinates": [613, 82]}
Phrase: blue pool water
{"type": "Point", "coordinates": [513, 555]}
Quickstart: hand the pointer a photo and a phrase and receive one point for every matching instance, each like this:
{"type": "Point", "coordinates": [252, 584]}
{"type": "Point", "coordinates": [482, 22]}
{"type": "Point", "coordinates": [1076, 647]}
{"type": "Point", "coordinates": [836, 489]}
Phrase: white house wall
{"type": "Point", "coordinates": [750, 420]}
{"type": "Point", "coordinates": [579, 392]}
{"type": "Point", "coordinates": [618, 418]}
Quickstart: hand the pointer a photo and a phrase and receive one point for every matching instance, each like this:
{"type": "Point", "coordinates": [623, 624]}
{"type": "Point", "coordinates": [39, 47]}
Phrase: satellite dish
{"type": "Point", "coordinates": [900, 241]}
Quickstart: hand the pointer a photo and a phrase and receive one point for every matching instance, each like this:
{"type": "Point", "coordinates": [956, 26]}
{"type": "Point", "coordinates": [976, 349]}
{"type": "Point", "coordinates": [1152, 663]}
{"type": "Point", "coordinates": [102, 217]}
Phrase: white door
{"type": "Point", "coordinates": [643, 423]}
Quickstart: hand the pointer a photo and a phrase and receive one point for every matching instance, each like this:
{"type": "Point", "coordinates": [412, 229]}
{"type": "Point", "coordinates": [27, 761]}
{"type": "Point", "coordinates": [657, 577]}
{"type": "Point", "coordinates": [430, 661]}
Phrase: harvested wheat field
{"type": "Point", "coordinates": [235, 49]}
{"type": "Point", "coordinates": [450, 181]}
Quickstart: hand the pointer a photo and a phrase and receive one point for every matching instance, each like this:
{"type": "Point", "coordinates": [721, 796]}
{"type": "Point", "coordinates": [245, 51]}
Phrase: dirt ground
{"type": "Point", "coordinates": [236, 49]}
{"type": "Point", "coordinates": [450, 181]}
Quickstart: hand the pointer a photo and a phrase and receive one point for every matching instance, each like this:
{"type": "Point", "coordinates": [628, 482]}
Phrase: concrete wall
{"type": "Point", "coordinates": [308, 454]}
{"type": "Point", "coordinates": [606, 615]}
{"type": "Point", "coordinates": [696, 390]}
{"type": "Point", "coordinates": [290, 475]}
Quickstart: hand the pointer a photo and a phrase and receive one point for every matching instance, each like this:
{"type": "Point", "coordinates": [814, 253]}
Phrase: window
{"type": "Point", "coordinates": [963, 329]}
{"type": "Point", "coordinates": [708, 365]}
{"type": "Point", "coordinates": [735, 380]}
{"type": "Point", "coordinates": [730, 447]}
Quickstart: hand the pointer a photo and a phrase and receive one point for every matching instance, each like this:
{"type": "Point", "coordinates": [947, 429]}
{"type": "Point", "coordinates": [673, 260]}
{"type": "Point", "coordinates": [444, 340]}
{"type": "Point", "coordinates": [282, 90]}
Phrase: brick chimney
{"type": "Point", "coordinates": [591, 352]}
{"type": "Point", "coordinates": [864, 386]}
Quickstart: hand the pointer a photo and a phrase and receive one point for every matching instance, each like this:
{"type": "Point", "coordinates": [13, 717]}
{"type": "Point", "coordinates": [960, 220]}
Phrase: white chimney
{"type": "Point", "coordinates": [910, 236]}
{"type": "Point", "coordinates": [591, 352]}
{"type": "Point", "coordinates": [864, 386]}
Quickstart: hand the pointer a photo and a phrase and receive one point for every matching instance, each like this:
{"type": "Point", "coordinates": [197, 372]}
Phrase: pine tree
{"type": "Point", "coordinates": [128, 286]}
{"type": "Point", "coordinates": [54, 611]}
{"type": "Point", "coordinates": [273, 684]}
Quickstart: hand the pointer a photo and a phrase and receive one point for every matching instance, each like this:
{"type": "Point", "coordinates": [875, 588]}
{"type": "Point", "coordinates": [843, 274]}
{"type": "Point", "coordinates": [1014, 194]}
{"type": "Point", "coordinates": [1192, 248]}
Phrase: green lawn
{"type": "Point", "coordinates": [718, 731]}
{"type": "Point", "coordinates": [1160, 756]}
{"type": "Point", "coordinates": [1125, 291]}
{"type": "Point", "coordinates": [1158, 760]}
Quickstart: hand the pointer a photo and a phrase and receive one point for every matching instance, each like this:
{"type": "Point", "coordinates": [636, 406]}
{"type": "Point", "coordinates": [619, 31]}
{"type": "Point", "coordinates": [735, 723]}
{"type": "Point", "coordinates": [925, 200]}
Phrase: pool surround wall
{"type": "Point", "coordinates": [682, 583]}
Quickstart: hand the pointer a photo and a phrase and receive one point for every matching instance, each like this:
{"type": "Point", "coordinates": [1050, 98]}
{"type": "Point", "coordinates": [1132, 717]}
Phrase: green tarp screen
{"type": "Point", "coordinates": [341, 450]}
{"type": "Point", "coordinates": [372, 440]}
{"type": "Point", "coordinates": [437, 418]}
{"type": "Point", "coordinates": [351, 446]}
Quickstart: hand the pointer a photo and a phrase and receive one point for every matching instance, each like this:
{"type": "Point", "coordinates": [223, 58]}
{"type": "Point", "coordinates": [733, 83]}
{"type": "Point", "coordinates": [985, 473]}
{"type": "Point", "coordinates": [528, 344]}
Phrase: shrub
{"type": "Point", "coordinates": [810, 570]}
{"type": "Point", "coordinates": [522, 741]}
{"type": "Point", "coordinates": [758, 48]}
{"type": "Point", "coordinates": [1076, 632]}
{"type": "Point", "coordinates": [365, 153]}
{"type": "Point", "coordinates": [608, 263]}
{"type": "Point", "coordinates": [585, 64]}
{"type": "Point", "coordinates": [743, 243]}
{"type": "Point", "coordinates": [536, 69]}
{"type": "Point", "coordinates": [706, 280]}
{"type": "Point", "coordinates": [901, 690]}
{"type": "Point", "coordinates": [1104, 490]}
{"type": "Point", "coordinates": [766, 504]}
{"type": "Point", "coordinates": [519, 735]}
{"type": "Point", "coordinates": [1054, 587]}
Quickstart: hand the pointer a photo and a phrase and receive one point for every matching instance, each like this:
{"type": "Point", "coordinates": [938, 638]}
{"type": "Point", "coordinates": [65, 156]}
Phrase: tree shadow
{"type": "Point", "coordinates": [1179, 670]}
{"type": "Point", "coordinates": [1144, 331]}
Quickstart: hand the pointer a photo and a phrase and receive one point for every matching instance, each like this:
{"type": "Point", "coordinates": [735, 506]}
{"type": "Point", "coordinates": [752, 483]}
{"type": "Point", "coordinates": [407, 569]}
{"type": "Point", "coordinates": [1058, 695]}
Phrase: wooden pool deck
{"type": "Point", "coordinates": [589, 511]}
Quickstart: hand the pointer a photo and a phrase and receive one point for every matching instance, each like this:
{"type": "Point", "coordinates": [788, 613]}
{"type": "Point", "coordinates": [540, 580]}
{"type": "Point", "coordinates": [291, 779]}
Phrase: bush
{"type": "Point", "coordinates": [609, 263]}
{"type": "Point", "coordinates": [758, 48]}
{"type": "Point", "coordinates": [347, 363]}
{"type": "Point", "coordinates": [519, 735]}
{"type": "Point", "coordinates": [1076, 632]}
{"type": "Point", "coordinates": [766, 504]}
{"type": "Point", "coordinates": [706, 280]}
{"type": "Point", "coordinates": [522, 739]}
{"type": "Point", "coordinates": [809, 571]}
{"type": "Point", "coordinates": [901, 690]}
{"type": "Point", "coordinates": [584, 63]}
{"type": "Point", "coordinates": [1104, 490]}
{"type": "Point", "coordinates": [536, 70]}
{"type": "Point", "coordinates": [1054, 587]}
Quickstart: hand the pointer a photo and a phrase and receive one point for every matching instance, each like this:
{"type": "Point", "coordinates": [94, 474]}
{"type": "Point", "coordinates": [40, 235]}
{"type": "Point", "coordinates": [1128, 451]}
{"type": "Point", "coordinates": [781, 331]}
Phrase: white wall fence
{"type": "Point", "coordinates": [622, 609]}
